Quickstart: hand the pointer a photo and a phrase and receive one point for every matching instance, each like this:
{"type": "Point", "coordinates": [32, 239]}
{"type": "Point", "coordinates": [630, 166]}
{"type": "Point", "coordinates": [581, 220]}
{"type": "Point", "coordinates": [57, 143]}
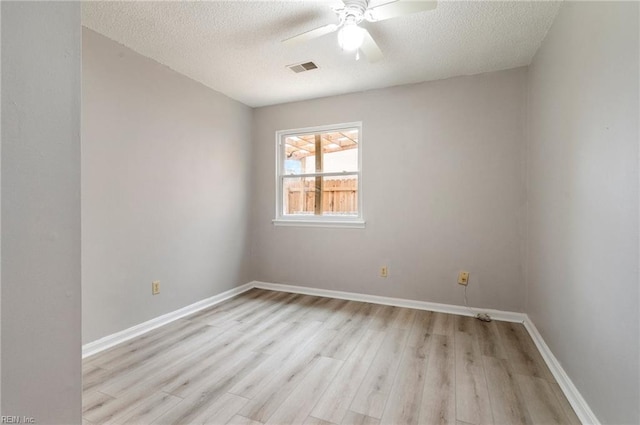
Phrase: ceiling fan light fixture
{"type": "Point", "coordinates": [350, 37]}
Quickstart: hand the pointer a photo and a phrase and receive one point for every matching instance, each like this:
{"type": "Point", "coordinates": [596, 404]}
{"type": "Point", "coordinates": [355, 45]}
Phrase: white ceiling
{"type": "Point", "coordinates": [234, 46]}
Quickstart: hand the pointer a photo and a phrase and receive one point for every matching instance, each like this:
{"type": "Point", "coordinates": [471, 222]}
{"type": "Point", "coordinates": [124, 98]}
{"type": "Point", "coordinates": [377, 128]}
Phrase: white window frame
{"type": "Point", "coordinates": [316, 220]}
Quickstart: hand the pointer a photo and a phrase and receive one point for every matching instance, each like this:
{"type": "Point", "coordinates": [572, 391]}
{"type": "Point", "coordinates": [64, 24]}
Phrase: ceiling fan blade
{"type": "Point", "coordinates": [400, 8]}
{"type": "Point", "coordinates": [370, 48]}
{"type": "Point", "coordinates": [310, 35]}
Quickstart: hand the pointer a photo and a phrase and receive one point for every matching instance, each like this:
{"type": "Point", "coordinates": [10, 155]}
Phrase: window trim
{"type": "Point", "coordinates": [313, 220]}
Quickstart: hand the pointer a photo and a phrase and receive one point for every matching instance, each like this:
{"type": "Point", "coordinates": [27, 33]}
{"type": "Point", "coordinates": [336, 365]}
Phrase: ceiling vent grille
{"type": "Point", "coordinates": [302, 67]}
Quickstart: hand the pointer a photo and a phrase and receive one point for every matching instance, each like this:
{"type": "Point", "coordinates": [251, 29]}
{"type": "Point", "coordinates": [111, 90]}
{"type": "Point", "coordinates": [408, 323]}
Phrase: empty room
{"type": "Point", "coordinates": [320, 212]}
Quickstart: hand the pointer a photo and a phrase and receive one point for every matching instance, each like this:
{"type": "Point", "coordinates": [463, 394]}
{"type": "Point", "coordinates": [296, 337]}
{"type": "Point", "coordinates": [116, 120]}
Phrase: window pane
{"type": "Point", "coordinates": [298, 195]}
{"type": "Point", "coordinates": [339, 195]}
{"type": "Point", "coordinates": [339, 152]}
{"type": "Point", "coordinates": [299, 154]}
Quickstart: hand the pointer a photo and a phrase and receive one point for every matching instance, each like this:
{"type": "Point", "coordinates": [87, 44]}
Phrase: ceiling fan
{"type": "Point", "coordinates": [354, 38]}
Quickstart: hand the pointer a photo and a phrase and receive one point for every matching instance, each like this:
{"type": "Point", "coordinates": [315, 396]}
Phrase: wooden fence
{"type": "Point", "coordinates": [338, 196]}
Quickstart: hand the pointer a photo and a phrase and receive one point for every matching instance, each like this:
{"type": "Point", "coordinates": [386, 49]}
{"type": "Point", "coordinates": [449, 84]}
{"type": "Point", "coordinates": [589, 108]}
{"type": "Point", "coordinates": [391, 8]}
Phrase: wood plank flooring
{"type": "Point", "coordinates": [275, 358]}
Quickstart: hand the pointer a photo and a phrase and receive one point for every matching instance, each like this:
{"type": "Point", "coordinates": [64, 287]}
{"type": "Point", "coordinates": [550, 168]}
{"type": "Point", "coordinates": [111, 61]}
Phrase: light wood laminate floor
{"type": "Point", "coordinates": [267, 357]}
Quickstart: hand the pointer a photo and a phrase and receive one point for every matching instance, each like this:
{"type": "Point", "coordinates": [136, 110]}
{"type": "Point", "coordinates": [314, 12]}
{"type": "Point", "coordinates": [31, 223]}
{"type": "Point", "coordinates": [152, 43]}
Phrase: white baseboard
{"type": "Point", "coordinates": [505, 316]}
{"type": "Point", "coordinates": [109, 341]}
{"type": "Point", "coordinates": [585, 414]}
{"type": "Point", "coordinates": [580, 406]}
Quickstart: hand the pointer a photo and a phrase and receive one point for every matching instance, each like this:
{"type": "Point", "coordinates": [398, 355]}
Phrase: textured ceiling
{"type": "Point", "coordinates": [234, 46]}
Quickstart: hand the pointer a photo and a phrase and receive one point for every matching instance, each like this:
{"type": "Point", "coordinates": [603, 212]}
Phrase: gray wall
{"type": "Point", "coordinates": [443, 191]}
{"type": "Point", "coordinates": [582, 279]}
{"type": "Point", "coordinates": [0, 205]}
{"type": "Point", "coordinates": [165, 189]}
{"type": "Point", "coordinates": [41, 373]}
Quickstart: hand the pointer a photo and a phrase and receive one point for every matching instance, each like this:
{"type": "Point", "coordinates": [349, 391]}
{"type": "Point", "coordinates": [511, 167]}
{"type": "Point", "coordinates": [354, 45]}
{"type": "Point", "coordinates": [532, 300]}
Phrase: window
{"type": "Point", "coordinates": [319, 176]}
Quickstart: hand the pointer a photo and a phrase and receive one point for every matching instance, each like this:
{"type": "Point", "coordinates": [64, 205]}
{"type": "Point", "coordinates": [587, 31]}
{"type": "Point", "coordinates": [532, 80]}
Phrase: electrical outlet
{"type": "Point", "coordinates": [155, 287]}
{"type": "Point", "coordinates": [384, 271]}
{"type": "Point", "coordinates": [463, 278]}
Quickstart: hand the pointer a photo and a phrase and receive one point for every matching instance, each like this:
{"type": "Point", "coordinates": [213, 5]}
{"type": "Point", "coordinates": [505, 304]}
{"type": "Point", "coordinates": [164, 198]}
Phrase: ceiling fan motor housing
{"type": "Point", "coordinates": [353, 11]}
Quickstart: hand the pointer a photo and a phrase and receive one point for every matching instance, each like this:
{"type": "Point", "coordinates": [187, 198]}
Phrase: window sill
{"type": "Point", "coordinates": [345, 224]}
